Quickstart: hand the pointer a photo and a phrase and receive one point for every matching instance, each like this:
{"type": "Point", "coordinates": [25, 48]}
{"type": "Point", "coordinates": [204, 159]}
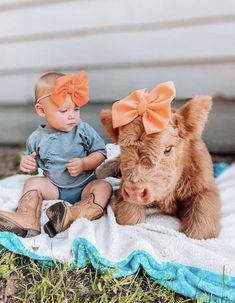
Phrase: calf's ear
{"type": "Point", "coordinates": [194, 115]}
{"type": "Point", "coordinates": [106, 119]}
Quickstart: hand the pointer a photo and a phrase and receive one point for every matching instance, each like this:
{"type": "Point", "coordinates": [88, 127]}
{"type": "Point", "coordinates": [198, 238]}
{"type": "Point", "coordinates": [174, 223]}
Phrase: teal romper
{"type": "Point", "coordinates": [55, 148]}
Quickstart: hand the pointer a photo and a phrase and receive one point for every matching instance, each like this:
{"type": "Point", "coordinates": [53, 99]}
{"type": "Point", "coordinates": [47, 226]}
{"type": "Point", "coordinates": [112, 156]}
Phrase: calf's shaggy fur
{"type": "Point", "coordinates": [169, 172]}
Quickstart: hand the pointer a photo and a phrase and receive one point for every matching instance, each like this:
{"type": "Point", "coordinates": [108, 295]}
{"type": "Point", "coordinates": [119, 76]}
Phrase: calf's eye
{"type": "Point", "coordinates": [167, 150]}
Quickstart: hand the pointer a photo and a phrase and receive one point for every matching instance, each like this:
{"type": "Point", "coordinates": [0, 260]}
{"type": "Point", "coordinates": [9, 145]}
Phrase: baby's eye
{"type": "Point", "coordinates": [76, 109]}
{"type": "Point", "coordinates": [63, 110]}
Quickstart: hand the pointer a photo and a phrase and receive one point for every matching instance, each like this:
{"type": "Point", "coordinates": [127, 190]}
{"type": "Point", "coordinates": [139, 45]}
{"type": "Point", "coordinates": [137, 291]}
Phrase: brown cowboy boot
{"type": "Point", "coordinates": [61, 215]}
{"type": "Point", "coordinates": [25, 222]}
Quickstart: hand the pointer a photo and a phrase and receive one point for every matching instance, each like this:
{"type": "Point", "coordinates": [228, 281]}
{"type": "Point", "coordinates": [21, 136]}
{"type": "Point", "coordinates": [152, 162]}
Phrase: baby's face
{"type": "Point", "coordinates": [63, 118]}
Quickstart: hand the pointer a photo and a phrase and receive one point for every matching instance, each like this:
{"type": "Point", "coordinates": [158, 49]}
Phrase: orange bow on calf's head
{"type": "Point", "coordinates": [76, 86]}
{"type": "Point", "coordinates": [154, 107]}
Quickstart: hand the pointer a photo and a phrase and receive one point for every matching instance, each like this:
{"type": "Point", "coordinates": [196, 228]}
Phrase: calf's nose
{"type": "Point", "coordinates": [135, 195]}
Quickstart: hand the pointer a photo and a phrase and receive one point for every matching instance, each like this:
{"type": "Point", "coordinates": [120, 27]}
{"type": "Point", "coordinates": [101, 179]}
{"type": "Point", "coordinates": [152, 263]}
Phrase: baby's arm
{"type": "Point", "coordinates": [28, 163]}
{"type": "Point", "coordinates": [93, 160]}
{"type": "Point", "coordinates": [77, 165]}
{"type": "Point", "coordinates": [95, 147]}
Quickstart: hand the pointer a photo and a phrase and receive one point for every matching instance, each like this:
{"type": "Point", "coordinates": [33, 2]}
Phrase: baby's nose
{"type": "Point", "coordinates": [71, 115]}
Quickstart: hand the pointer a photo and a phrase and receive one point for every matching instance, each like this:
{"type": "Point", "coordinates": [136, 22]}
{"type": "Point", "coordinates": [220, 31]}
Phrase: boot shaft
{"type": "Point", "coordinates": [25, 221]}
{"type": "Point", "coordinates": [86, 208]}
{"type": "Point", "coordinates": [30, 204]}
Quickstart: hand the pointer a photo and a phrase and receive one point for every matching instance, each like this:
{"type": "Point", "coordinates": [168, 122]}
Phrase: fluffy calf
{"type": "Point", "coordinates": [170, 172]}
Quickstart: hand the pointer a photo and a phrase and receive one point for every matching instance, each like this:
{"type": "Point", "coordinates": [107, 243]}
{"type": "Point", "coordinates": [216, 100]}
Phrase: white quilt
{"type": "Point", "coordinates": [156, 245]}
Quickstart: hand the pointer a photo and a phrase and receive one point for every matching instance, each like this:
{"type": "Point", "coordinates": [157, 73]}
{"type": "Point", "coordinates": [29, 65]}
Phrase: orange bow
{"type": "Point", "coordinates": [154, 107]}
{"type": "Point", "coordinates": [75, 86]}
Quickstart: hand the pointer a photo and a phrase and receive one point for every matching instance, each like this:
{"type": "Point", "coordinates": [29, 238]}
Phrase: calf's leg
{"type": "Point", "coordinates": [200, 215]}
{"type": "Point", "coordinates": [128, 213]}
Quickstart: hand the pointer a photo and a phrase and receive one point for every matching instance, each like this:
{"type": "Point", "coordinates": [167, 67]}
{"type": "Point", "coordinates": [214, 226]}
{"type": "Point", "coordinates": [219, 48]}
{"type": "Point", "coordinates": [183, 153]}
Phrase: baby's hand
{"type": "Point", "coordinates": [75, 167]}
{"type": "Point", "coordinates": [28, 163]}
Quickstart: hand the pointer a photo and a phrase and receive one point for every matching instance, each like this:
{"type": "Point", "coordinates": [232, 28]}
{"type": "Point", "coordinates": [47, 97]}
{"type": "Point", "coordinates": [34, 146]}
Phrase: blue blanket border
{"type": "Point", "coordinates": [189, 281]}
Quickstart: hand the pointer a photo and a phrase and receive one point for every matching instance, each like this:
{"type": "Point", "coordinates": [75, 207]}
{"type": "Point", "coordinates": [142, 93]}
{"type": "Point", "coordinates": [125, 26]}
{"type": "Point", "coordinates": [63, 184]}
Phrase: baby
{"type": "Point", "coordinates": [68, 151]}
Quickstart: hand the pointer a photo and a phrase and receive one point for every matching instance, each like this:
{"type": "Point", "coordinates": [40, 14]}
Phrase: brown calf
{"type": "Point", "coordinates": [170, 171]}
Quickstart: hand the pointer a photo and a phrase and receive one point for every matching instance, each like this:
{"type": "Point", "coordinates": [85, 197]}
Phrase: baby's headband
{"type": "Point", "coordinates": [76, 86]}
{"type": "Point", "coordinates": [154, 107]}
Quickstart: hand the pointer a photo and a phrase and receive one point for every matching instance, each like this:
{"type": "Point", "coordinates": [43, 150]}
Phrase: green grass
{"type": "Point", "coordinates": [25, 280]}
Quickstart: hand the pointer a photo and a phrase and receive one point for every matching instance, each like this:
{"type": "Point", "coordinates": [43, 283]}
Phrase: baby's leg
{"type": "Point", "coordinates": [47, 190]}
{"type": "Point", "coordinates": [25, 221]}
{"type": "Point", "coordinates": [101, 190]}
{"type": "Point", "coordinates": [94, 199]}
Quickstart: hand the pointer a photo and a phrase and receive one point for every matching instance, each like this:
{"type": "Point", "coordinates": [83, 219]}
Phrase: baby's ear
{"type": "Point", "coordinates": [194, 115]}
{"type": "Point", "coordinates": [40, 110]}
{"type": "Point", "coordinates": [106, 119]}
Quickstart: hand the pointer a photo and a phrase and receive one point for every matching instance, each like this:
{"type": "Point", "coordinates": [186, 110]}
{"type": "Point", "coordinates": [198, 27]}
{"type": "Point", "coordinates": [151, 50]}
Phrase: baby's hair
{"type": "Point", "coordinates": [46, 83]}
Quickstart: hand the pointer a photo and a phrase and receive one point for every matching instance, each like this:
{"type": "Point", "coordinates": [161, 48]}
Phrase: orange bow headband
{"type": "Point", "coordinates": [76, 86]}
{"type": "Point", "coordinates": [154, 107]}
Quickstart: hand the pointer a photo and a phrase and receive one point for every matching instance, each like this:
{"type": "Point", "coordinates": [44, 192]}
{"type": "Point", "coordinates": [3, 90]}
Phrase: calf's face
{"type": "Point", "coordinates": [151, 165]}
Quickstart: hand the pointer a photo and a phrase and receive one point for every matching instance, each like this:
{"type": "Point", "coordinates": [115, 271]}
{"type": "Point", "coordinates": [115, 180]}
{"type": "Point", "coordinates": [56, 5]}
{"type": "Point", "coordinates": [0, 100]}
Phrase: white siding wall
{"type": "Point", "coordinates": [123, 44]}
